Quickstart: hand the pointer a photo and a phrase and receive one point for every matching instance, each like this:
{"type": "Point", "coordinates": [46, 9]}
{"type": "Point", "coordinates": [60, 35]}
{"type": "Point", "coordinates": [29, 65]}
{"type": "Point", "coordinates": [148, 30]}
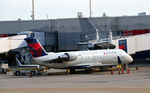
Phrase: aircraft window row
{"type": "Point", "coordinates": [113, 52]}
{"type": "Point", "coordinates": [100, 56]}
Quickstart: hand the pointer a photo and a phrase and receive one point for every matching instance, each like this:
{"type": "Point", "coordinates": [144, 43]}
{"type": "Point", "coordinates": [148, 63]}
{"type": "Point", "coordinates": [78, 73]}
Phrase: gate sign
{"type": "Point", "coordinates": [123, 45]}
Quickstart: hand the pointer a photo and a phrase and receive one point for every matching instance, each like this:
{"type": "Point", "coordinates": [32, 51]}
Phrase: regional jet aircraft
{"type": "Point", "coordinates": [77, 59]}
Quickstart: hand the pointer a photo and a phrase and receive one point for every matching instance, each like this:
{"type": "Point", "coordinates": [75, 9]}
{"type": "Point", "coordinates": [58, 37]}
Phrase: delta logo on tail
{"type": "Point", "coordinates": [123, 45]}
{"type": "Point", "coordinates": [35, 47]}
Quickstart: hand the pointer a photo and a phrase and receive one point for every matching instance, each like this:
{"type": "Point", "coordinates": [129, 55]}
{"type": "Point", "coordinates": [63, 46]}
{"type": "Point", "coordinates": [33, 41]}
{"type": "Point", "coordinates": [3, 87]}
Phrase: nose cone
{"type": "Point", "coordinates": [130, 59]}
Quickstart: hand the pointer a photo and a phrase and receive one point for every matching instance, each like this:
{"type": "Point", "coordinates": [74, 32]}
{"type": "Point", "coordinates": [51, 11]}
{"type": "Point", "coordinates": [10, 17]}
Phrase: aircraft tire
{"type": "Point", "coordinates": [72, 71]}
{"type": "Point", "coordinates": [33, 72]}
{"type": "Point", "coordinates": [88, 71]}
{"type": "Point", "coordinates": [124, 66]}
{"type": "Point", "coordinates": [17, 73]}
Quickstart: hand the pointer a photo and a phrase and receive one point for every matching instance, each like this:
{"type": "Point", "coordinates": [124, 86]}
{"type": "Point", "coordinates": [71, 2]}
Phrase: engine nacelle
{"type": "Point", "coordinates": [71, 56]}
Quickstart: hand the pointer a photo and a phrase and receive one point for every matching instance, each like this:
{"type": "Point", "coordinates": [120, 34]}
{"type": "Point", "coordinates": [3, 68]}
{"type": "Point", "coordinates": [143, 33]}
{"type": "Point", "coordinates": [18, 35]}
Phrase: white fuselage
{"type": "Point", "coordinates": [86, 58]}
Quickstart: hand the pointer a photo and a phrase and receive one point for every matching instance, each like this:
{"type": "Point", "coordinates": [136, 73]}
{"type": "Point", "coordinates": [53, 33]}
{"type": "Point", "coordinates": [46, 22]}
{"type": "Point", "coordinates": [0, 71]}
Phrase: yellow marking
{"type": "Point", "coordinates": [119, 66]}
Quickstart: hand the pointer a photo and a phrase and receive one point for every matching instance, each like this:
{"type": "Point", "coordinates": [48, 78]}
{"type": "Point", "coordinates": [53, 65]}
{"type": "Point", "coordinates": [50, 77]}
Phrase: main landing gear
{"type": "Point", "coordinates": [70, 71]}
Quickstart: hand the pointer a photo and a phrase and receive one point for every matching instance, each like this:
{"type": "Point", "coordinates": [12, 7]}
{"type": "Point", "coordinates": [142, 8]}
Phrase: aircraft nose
{"type": "Point", "coordinates": [130, 59]}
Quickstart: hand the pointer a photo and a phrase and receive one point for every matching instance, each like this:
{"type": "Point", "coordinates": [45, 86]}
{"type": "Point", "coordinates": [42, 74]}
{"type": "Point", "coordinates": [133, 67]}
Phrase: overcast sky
{"type": "Point", "coordinates": [14, 9]}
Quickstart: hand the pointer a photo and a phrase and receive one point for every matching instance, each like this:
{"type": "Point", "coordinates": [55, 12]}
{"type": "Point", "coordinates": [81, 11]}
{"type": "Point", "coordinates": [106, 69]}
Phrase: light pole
{"type": "Point", "coordinates": [90, 8]}
{"type": "Point", "coordinates": [32, 10]}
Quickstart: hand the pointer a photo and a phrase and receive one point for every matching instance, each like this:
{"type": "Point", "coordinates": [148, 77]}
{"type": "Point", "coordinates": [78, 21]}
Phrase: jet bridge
{"type": "Point", "coordinates": [133, 44]}
{"type": "Point", "coordinates": [138, 42]}
{"type": "Point", "coordinates": [12, 42]}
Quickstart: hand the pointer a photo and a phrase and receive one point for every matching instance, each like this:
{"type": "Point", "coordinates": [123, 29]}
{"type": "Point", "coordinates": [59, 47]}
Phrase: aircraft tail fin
{"type": "Point", "coordinates": [35, 47]}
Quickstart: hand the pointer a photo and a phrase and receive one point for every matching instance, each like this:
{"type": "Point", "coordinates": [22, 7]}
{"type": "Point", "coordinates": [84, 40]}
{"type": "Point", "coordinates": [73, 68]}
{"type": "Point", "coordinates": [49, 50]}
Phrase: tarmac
{"type": "Point", "coordinates": [57, 81]}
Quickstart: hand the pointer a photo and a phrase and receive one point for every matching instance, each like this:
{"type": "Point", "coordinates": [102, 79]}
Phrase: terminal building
{"type": "Point", "coordinates": [65, 34]}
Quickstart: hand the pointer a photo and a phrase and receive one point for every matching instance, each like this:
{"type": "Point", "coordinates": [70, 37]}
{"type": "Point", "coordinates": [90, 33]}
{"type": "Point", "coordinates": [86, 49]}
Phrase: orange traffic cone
{"type": "Point", "coordinates": [137, 68]}
{"type": "Point", "coordinates": [30, 74]}
{"type": "Point", "coordinates": [128, 71]}
{"type": "Point", "coordinates": [122, 71]}
{"type": "Point", "coordinates": [112, 72]}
